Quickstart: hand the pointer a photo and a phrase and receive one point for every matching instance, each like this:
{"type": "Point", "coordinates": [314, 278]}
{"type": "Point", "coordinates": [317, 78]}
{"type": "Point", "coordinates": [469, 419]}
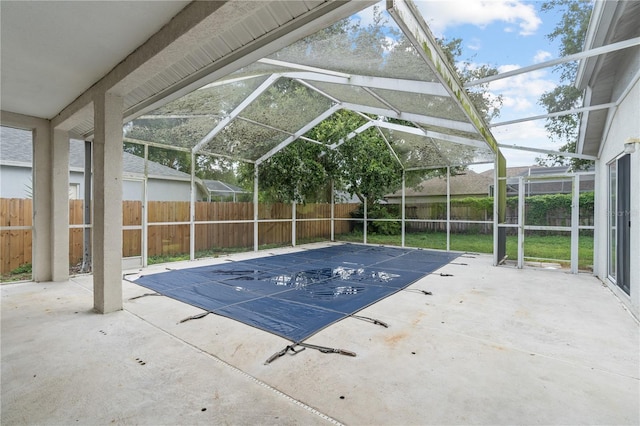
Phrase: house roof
{"type": "Point", "coordinates": [218, 187]}
{"type": "Point", "coordinates": [611, 21]}
{"type": "Point", "coordinates": [472, 183]}
{"type": "Point", "coordinates": [469, 183]}
{"type": "Point", "coordinates": [531, 171]}
{"type": "Point", "coordinates": [15, 149]}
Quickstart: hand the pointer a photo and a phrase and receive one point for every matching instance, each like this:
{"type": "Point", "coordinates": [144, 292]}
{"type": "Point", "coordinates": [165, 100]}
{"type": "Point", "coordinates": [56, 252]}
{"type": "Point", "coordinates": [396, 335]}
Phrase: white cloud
{"type": "Point", "coordinates": [526, 134]}
{"type": "Point", "coordinates": [541, 56]}
{"type": "Point", "coordinates": [474, 44]}
{"type": "Point", "coordinates": [521, 92]}
{"type": "Point", "coordinates": [443, 14]}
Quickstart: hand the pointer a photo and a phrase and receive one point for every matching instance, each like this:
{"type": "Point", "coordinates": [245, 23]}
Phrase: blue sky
{"type": "Point", "coordinates": [507, 34]}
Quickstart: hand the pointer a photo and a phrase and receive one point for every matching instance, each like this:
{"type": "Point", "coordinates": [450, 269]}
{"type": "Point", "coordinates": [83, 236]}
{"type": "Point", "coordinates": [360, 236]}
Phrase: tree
{"type": "Point", "coordinates": [571, 32]}
{"type": "Point", "coordinates": [486, 104]}
{"type": "Point", "coordinates": [362, 165]}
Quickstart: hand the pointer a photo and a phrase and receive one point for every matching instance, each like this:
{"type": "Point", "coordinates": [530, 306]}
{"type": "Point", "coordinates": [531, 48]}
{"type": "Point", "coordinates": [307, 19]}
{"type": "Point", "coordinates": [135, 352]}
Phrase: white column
{"type": "Point", "coordinates": [145, 209]}
{"type": "Point", "coordinates": [42, 206]}
{"type": "Point", "coordinates": [333, 212]}
{"type": "Point", "coordinates": [293, 224]}
{"type": "Point", "coordinates": [364, 223]}
{"type": "Point", "coordinates": [107, 225]}
{"type": "Point", "coordinates": [521, 222]}
{"type": "Point", "coordinates": [403, 206]}
{"type": "Point", "coordinates": [255, 208]}
{"type": "Point", "coordinates": [575, 222]}
{"type": "Point", "coordinates": [60, 205]}
{"type": "Point", "coordinates": [448, 208]}
{"type": "Point", "coordinates": [192, 210]}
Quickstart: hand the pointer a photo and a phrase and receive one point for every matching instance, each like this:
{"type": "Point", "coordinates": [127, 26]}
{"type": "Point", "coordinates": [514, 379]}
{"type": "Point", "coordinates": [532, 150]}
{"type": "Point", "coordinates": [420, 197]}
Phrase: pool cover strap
{"type": "Point", "coordinates": [292, 348]}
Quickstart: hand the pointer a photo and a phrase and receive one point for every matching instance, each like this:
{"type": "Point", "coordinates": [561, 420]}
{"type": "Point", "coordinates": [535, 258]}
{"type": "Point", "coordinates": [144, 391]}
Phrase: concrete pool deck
{"type": "Point", "coordinates": [489, 346]}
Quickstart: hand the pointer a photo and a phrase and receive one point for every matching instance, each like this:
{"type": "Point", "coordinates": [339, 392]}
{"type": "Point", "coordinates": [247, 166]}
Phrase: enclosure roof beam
{"type": "Point", "coordinates": [409, 116]}
{"type": "Point", "coordinates": [549, 152]}
{"type": "Point", "coordinates": [575, 57]}
{"type": "Point", "coordinates": [300, 67]}
{"type": "Point", "coordinates": [353, 134]}
{"type": "Point", "coordinates": [310, 125]}
{"type": "Point", "coordinates": [431, 134]}
{"type": "Point", "coordinates": [226, 157]}
{"type": "Point", "coordinates": [382, 100]}
{"type": "Point", "coordinates": [161, 116]}
{"type": "Point", "coordinates": [315, 89]}
{"type": "Point", "coordinates": [438, 150]}
{"type": "Point", "coordinates": [386, 141]}
{"type": "Point", "coordinates": [395, 84]}
{"type": "Point", "coordinates": [417, 32]}
{"type": "Point", "coordinates": [243, 105]}
{"type": "Point", "coordinates": [156, 144]}
{"type": "Point", "coordinates": [555, 114]}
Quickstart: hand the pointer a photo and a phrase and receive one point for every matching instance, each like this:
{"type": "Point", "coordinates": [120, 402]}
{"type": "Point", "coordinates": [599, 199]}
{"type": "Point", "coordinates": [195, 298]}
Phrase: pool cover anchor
{"type": "Point", "coordinates": [194, 317]}
{"type": "Point", "coordinates": [292, 348]}
{"type": "Point", "coordinates": [372, 320]}
{"type": "Point", "coordinates": [283, 352]}
{"type": "Point", "coordinates": [144, 295]}
{"type": "Point", "coordinates": [419, 291]}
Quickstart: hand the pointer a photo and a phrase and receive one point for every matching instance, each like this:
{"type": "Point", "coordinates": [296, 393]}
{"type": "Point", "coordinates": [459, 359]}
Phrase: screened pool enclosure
{"type": "Point", "coordinates": [391, 80]}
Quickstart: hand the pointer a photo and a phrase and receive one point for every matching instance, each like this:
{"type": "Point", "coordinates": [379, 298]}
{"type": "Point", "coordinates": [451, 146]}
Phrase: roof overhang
{"type": "Point", "coordinates": [611, 22]}
{"type": "Point", "coordinates": [204, 42]}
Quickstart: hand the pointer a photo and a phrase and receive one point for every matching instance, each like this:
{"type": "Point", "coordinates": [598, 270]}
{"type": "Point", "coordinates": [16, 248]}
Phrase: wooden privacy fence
{"type": "Point", "coordinates": [169, 230]}
{"type": "Point", "coordinates": [15, 243]}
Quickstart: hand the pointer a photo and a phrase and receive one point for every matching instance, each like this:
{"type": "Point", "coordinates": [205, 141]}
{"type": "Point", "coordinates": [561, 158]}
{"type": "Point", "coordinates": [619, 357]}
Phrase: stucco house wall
{"type": "Point", "coordinates": [163, 184]}
{"type": "Point", "coordinates": [624, 125]}
{"type": "Point", "coordinates": [612, 134]}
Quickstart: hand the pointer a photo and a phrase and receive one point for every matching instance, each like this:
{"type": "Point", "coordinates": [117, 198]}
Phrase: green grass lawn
{"type": "Point", "coordinates": [549, 247]}
{"type": "Point", "coordinates": [554, 247]}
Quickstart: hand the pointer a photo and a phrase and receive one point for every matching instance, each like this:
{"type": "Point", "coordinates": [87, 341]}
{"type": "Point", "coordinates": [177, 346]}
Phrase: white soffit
{"type": "Point", "coordinates": [52, 51]}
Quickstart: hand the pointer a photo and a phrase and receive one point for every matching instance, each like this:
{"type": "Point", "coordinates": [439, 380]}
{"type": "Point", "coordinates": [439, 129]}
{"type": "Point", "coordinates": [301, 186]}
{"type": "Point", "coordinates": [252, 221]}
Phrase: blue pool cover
{"type": "Point", "coordinates": [296, 295]}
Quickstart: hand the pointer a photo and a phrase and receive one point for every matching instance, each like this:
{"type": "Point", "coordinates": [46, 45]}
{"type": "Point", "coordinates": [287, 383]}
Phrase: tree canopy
{"type": "Point", "coordinates": [362, 165]}
{"type": "Point", "coordinates": [571, 32]}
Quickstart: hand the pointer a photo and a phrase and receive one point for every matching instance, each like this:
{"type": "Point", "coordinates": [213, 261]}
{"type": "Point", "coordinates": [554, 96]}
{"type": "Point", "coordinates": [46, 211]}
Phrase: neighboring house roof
{"type": "Point", "coordinates": [611, 22]}
{"type": "Point", "coordinates": [221, 188]}
{"type": "Point", "coordinates": [531, 171]}
{"type": "Point", "coordinates": [478, 184]}
{"type": "Point", "coordinates": [543, 186]}
{"type": "Point", "coordinates": [469, 183]}
{"type": "Point", "coordinates": [15, 149]}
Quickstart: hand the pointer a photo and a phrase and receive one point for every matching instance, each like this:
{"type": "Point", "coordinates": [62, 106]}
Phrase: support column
{"type": "Point", "coordinates": [42, 204]}
{"type": "Point", "coordinates": [575, 223]}
{"type": "Point", "coordinates": [60, 205]}
{"type": "Point", "coordinates": [192, 210]}
{"type": "Point", "coordinates": [107, 231]}
{"type": "Point", "coordinates": [448, 208]}
{"type": "Point", "coordinates": [499, 209]}
{"type": "Point", "coordinates": [403, 207]}
{"type": "Point", "coordinates": [255, 208]}
{"type": "Point", "coordinates": [333, 212]}
{"type": "Point", "coordinates": [293, 223]}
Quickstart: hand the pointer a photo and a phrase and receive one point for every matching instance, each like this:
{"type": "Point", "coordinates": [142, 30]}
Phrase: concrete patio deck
{"type": "Point", "coordinates": [489, 346]}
